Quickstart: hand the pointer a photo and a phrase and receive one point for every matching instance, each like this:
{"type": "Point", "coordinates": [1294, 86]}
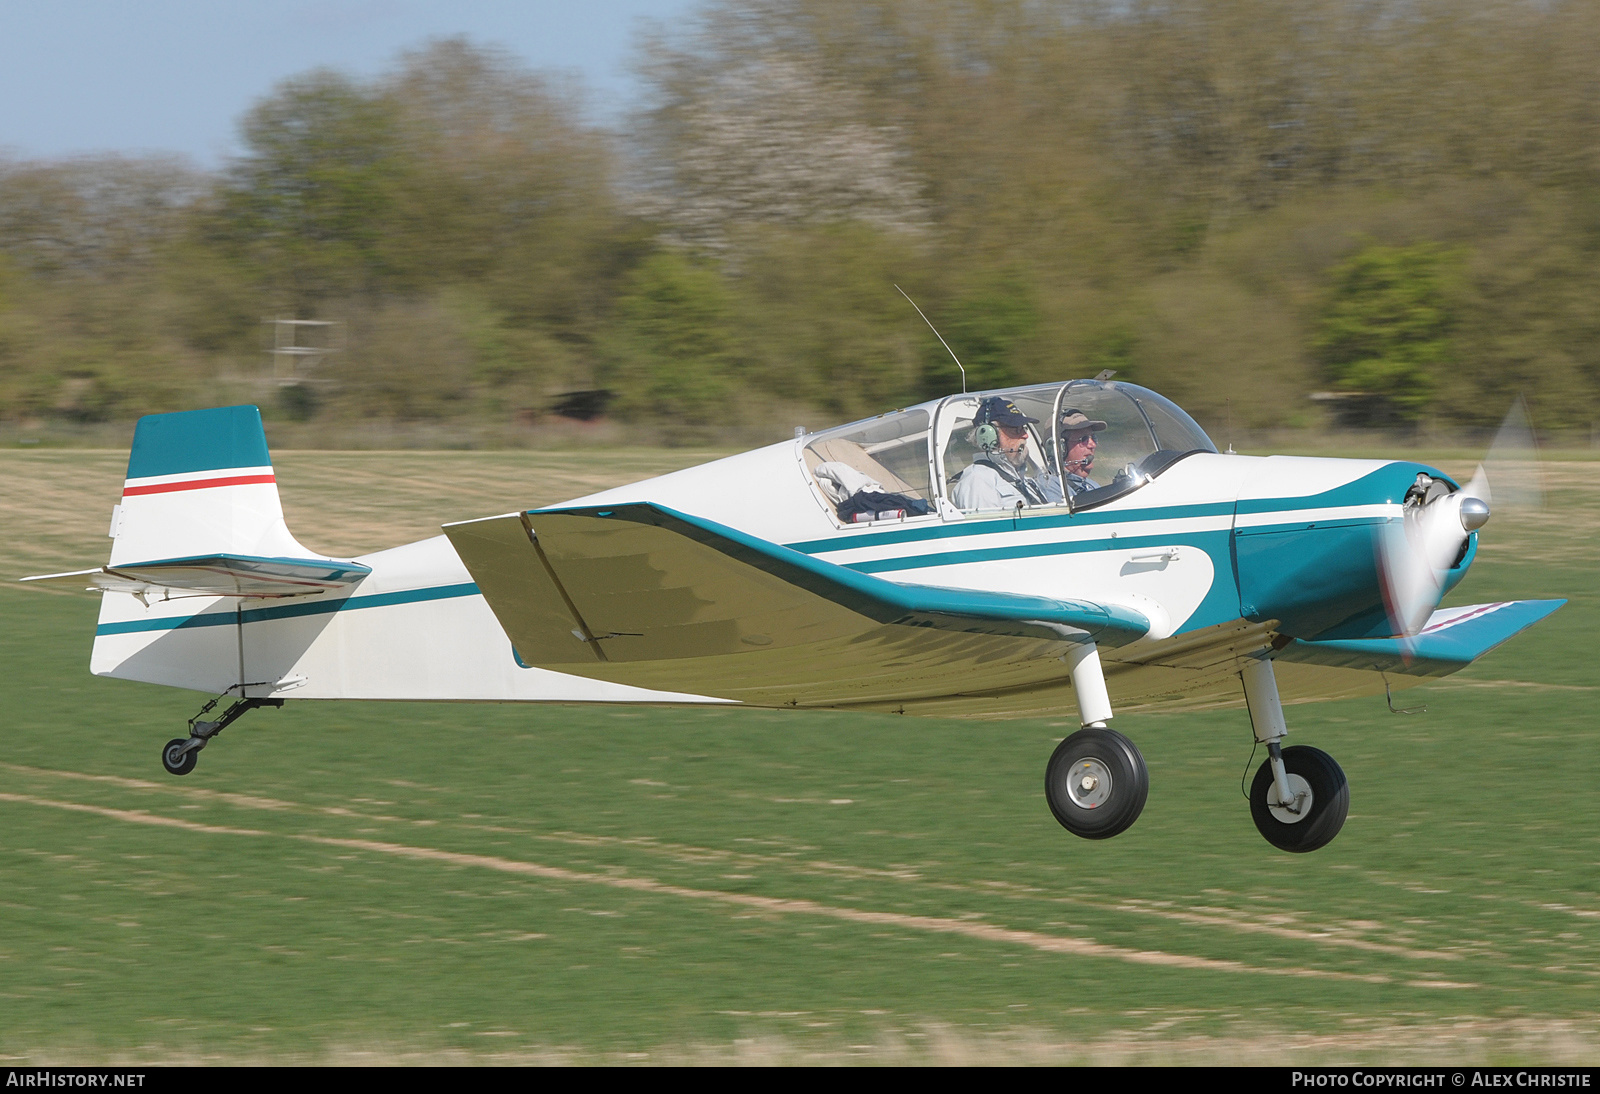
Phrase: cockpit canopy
{"type": "Point", "coordinates": [911, 462]}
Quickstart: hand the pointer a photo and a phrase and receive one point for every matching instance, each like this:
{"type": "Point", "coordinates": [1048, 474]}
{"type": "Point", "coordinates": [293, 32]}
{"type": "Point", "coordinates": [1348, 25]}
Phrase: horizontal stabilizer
{"type": "Point", "coordinates": [1452, 639]}
{"type": "Point", "coordinates": [214, 575]}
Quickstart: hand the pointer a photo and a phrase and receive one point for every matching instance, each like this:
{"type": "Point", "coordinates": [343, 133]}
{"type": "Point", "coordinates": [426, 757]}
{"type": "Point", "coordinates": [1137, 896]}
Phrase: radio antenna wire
{"type": "Point", "coordinates": [940, 337]}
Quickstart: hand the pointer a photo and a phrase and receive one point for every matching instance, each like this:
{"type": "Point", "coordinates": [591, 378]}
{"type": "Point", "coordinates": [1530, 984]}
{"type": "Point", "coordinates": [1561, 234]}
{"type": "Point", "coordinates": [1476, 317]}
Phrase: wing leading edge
{"type": "Point", "coordinates": [645, 595]}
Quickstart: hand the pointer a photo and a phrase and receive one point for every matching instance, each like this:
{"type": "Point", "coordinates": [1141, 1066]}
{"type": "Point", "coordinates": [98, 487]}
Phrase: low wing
{"type": "Point", "coordinates": [644, 595]}
{"type": "Point", "coordinates": [214, 575]}
{"type": "Point", "coordinates": [1200, 670]}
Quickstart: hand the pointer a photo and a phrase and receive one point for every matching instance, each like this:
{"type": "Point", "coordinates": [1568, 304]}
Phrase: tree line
{"type": "Point", "coordinates": [1394, 204]}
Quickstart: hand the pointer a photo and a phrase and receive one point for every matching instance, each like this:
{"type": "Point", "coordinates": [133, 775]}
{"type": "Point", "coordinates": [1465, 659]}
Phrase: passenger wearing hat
{"type": "Point", "coordinates": [1076, 431]}
{"type": "Point", "coordinates": [998, 478]}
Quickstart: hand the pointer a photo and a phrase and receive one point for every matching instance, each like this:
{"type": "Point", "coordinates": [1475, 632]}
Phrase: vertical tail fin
{"type": "Point", "coordinates": [200, 519]}
{"type": "Point", "coordinates": [200, 482]}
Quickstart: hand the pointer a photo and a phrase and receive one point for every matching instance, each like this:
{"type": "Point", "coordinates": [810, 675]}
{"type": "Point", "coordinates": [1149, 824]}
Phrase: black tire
{"type": "Point", "coordinates": [1121, 783]}
{"type": "Point", "coordinates": [1330, 801]}
{"type": "Point", "coordinates": [176, 762]}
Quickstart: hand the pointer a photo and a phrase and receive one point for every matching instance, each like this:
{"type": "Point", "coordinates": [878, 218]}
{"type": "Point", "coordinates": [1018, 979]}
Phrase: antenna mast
{"type": "Point", "coordinates": [940, 337]}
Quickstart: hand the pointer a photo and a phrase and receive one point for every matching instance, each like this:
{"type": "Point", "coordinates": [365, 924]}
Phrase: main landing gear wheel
{"type": "Point", "coordinates": [1096, 783]}
{"type": "Point", "coordinates": [1322, 800]}
{"type": "Point", "coordinates": [178, 760]}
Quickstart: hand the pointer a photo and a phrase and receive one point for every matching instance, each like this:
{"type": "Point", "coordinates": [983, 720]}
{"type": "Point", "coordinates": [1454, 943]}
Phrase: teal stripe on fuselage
{"type": "Point", "coordinates": [1388, 483]}
{"type": "Point", "coordinates": [1218, 538]}
{"type": "Point", "coordinates": [1220, 604]}
{"type": "Point", "coordinates": [289, 611]}
{"type": "Point", "coordinates": [1001, 524]}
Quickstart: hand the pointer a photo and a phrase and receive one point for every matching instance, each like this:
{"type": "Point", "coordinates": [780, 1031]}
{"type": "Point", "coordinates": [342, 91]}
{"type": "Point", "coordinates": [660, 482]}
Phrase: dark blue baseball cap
{"type": "Point", "coordinates": [1002, 411]}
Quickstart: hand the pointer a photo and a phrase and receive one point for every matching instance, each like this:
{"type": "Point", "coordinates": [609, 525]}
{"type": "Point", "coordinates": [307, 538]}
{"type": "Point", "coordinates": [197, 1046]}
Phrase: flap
{"type": "Point", "coordinates": [515, 579]}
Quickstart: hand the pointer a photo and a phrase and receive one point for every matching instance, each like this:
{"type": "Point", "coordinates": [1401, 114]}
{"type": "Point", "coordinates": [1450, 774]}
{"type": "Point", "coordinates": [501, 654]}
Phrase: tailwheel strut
{"type": "Point", "coordinates": [180, 754]}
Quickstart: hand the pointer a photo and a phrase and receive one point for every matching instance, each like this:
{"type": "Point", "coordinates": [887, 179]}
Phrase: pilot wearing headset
{"type": "Point", "coordinates": [998, 478]}
{"type": "Point", "coordinates": [1076, 431]}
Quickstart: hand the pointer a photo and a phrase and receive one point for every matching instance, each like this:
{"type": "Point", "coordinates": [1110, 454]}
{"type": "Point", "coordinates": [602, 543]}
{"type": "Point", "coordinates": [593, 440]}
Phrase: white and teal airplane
{"type": "Point", "coordinates": [838, 570]}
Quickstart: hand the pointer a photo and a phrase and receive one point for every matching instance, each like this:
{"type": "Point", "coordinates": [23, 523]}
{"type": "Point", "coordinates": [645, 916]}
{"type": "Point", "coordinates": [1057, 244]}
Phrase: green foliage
{"type": "Point", "coordinates": [1231, 355]}
{"type": "Point", "coordinates": [299, 402]}
{"type": "Point", "coordinates": [216, 305]}
{"type": "Point", "coordinates": [1529, 324]}
{"type": "Point", "coordinates": [675, 347]}
{"type": "Point", "coordinates": [1113, 349]}
{"type": "Point", "coordinates": [406, 358]}
{"type": "Point", "coordinates": [1170, 190]}
{"type": "Point", "coordinates": [504, 186]}
{"type": "Point", "coordinates": [817, 323]}
{"type": "Point", "coordinates": [1385, 329]}
{"type": "Point", "coordinates": [984, 327]}
{"type": "Point", "coordinates": [309, 202]}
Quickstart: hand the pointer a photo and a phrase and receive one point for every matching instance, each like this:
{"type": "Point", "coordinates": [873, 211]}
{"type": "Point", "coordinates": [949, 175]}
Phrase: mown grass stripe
{"type": "Point", "coordinates": [977, 931]}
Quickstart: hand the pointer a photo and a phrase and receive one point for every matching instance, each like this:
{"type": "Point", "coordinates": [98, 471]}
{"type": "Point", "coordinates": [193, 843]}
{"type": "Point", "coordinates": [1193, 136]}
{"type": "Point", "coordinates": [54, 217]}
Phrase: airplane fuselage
{"type": "Point", "coordinates": [1217, 552]}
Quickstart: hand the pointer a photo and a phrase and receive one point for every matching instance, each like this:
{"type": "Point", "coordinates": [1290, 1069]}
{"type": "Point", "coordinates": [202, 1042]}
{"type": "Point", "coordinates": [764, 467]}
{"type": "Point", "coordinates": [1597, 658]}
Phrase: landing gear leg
{"type": "Point", "coordinates": [1299, 798]}
{"type": "Point", "coordinates": [1097, 781]}
{"type": "Point", "coordinates": [180, 754]}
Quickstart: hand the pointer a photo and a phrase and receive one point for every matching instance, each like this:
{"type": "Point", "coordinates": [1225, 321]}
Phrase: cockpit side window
{"type": "Point", "coordinates": [874, 470]}
{"type": "Point", "coordinates": [996, 474]}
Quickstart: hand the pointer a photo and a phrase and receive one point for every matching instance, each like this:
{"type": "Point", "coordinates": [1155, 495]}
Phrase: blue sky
{"type": "Point", "coordinates": [138, 76]}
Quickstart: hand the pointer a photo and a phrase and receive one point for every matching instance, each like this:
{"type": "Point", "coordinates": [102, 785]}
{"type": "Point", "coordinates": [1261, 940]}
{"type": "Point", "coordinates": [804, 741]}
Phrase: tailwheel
{"type": "Point", "coordinates": [177, 759]}
{"type": "Point", "coordinates": [180, 754]}
{"type": "Point", "coordinates": [1318, 806]}
{"type": "Point", "coordinates": [1096, 783]}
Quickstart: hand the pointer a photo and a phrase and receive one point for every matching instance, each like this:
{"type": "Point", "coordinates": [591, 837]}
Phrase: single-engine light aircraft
{"type": "Point", "coordinates": [998, 554]}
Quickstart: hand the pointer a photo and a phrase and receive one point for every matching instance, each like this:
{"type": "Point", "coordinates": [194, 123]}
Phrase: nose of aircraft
{"type": "Point", "coordinates": [1367, 557]}
{"type": "Point", "coordinates": [1415, 557]}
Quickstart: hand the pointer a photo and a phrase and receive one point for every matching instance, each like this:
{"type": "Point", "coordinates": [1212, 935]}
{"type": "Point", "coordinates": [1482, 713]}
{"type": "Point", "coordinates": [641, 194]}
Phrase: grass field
{"type": "Point", "coordinates": [440, 883]}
